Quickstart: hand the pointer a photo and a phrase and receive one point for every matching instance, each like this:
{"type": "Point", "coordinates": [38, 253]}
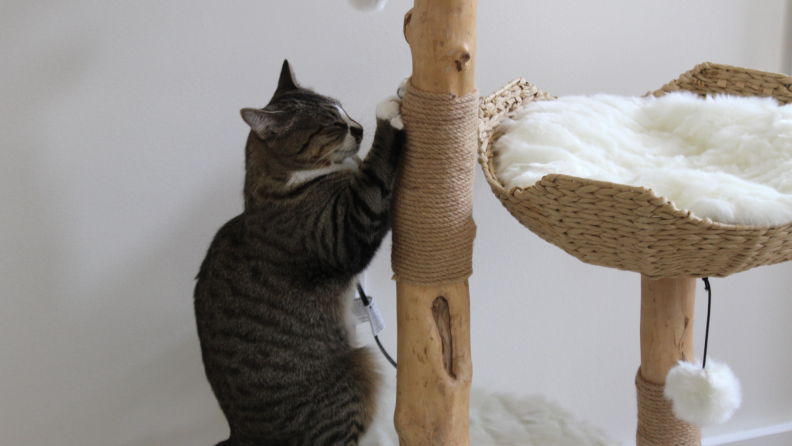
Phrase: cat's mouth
{"type": "Point", "coordinates": [342, 153]}
{"type": "Point", "coordinates": [337, 156]}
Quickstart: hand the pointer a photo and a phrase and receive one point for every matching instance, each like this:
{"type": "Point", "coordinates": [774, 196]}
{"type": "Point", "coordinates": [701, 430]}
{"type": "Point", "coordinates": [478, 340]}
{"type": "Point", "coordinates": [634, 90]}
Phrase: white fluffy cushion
{"type": "Point", "coordinates": [725, 158]}
{"type": "Point", "coordinates": [499, 420]}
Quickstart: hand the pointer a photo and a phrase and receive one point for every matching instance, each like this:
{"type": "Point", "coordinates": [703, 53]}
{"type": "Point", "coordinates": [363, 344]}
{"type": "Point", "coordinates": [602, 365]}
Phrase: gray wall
{"type": "Point", "coordinates": [121, 154]}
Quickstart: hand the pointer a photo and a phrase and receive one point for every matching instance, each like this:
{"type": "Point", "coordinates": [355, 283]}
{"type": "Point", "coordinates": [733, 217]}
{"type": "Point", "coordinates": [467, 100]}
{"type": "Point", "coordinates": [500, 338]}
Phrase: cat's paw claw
{"type": "Point", "coordinates": [402, 88]}
{"type": "Point", "coordinates": [389, 110]}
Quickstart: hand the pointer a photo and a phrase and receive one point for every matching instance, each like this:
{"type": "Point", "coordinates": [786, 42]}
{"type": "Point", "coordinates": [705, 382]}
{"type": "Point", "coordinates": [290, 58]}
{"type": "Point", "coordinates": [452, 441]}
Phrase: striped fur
{"type": "Point", "coordinates": [269, 300]}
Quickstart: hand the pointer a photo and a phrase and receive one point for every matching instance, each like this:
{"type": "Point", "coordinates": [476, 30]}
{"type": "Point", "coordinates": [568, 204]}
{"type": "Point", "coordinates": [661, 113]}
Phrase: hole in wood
{"type": "Point", "coordinates": [442, 317]}
{"type": "Point", "coordinates": [462, 61]}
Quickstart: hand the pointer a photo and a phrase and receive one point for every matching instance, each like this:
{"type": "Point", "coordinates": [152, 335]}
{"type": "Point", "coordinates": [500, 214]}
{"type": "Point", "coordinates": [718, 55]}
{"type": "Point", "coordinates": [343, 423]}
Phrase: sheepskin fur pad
{"type": "Point", "coordinates": [725, 158]}
{"type": "Point", "coordinates": [499, 420]}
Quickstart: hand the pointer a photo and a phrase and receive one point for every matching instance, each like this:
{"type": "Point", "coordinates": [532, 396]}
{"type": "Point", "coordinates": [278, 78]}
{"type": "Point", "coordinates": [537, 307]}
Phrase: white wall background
{"type": "Point", "coordinates": [121, 153]}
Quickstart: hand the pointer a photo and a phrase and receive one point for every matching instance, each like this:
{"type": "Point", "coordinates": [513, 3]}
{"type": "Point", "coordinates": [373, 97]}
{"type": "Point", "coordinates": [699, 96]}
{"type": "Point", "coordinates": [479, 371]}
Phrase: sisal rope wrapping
{"type": "Point", "coordinates": [433, 228]}
{"type": "Point", "coordinates": [657, 425]}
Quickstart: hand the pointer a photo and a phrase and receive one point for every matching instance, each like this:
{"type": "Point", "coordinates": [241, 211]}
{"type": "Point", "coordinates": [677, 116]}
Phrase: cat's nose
{"type": "Point", "coordinates": [356, 132]}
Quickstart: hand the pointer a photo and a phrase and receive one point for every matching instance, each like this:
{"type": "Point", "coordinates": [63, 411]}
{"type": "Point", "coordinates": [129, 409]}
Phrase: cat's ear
{"type": "Point", "coordinates": [264, 123]}
{"type": "Point", "coordinates": [286, 82]}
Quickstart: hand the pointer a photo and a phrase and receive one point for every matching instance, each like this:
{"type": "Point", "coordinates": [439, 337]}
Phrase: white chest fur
{"type": "Point", "coordinates": [303, 176]}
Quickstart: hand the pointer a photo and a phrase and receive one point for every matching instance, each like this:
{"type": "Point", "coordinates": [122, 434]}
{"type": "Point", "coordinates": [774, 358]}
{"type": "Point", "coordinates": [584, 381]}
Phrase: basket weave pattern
{"type": "Point", "coordinates": [627, 227]}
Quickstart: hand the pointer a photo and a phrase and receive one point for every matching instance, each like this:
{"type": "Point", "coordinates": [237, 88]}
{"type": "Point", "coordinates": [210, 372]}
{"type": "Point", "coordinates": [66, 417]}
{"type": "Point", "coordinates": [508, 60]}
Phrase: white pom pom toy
{"type": "Point", "coordinates": [703, 396]}
{"type": "Point", "coordinates": [368, 5]}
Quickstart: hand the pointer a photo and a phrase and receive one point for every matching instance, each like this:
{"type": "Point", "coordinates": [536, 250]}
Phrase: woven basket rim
{"type": "Point", "coordinates": [487, 156]}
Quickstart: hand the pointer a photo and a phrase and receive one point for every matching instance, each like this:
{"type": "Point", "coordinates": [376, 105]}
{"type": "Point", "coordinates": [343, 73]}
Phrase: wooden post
{"type": "Point", "coordinates": [442, 38]}
{"type": "Point", "coordinates": [434, 366]}
{"type": "Point", "coordinates": [667, 307]}
{"type": "Point", "coordinates": [435, 371]}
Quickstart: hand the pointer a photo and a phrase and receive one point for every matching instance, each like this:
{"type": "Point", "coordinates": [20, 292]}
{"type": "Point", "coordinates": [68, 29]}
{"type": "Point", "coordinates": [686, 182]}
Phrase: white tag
{"type": "Point", "coordinates": [377, 324]}
{"type": "Point", "coordinates": [369, 314]}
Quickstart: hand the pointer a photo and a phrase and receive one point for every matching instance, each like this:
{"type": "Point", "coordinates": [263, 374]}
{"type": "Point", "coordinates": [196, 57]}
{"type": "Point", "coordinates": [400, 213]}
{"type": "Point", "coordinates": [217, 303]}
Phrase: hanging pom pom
{"type": "Point", "coordinates": [703, 396]}
{"type": "Point", "coordinates": [368, 5]}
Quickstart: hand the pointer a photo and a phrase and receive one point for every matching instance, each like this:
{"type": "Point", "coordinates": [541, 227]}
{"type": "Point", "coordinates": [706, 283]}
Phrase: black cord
{"type": "Point", "coordinates": [366, 302]}
{"type": "Point", "coordinates": [709, 307]}
{"type": "Point", "coordinates": [387, 356]}
{"type": "Point", "coordinates": [363, 296]}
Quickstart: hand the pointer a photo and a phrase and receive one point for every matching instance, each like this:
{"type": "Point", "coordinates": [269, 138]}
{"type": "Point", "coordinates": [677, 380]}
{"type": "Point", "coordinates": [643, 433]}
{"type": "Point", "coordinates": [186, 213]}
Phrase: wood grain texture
{"type": "Point", "coordinates": [667, 307]}
{"type": "Point", "coordinates": [442, 38]}
{"type": "Point", "coordinates": [432, 404]}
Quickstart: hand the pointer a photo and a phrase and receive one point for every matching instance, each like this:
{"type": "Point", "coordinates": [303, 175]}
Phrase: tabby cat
{"type": "Point", "coordinates": [272, 298]}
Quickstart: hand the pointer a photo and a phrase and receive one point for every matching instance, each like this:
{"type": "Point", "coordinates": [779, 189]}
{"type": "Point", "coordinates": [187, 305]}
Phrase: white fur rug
{"type": "Point", "coordinates": [499, 420]}
{"type": "Point", "coordinates": [725, 158]}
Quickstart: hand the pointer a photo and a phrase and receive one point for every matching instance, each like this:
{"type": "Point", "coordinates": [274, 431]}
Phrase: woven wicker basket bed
{"type": "Point", "coordinates": [631, 228]}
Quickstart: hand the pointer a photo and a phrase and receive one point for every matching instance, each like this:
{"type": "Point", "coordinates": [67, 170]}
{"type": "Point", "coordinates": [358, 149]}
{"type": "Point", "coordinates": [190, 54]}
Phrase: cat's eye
{"type": "Point", "coordinates": [341, 125]}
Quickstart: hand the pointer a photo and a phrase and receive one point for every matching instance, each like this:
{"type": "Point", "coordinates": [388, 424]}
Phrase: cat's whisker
{"type": "Point", "coordinates": [366, 122]}
{"type": "Point", "coordinates": [362, 108]}
{"type": "Point", "coordinates": [321, 159]}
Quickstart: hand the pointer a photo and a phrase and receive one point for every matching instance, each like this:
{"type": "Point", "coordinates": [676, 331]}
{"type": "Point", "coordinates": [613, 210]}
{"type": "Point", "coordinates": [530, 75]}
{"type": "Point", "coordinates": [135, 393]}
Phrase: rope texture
{"type": "Point", "coordinates": [657, 425]}
{"type": "Point", "coordinates": [433, 228]}
{"type": "Point", "coordinates": [631, 228]}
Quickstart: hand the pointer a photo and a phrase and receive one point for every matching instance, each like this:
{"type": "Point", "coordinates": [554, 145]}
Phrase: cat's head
{"type": "Point", "coordinates": [300, 129]}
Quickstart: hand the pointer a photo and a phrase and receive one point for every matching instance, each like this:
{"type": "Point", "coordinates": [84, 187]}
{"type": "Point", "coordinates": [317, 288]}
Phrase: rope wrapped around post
{"type": "Point", "coordinates": [657, 425]}
{"type": "Point", "coordinates": [433, 228]}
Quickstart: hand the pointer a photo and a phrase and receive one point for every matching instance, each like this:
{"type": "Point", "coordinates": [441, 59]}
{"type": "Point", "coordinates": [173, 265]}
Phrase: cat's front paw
{"type": "Point", "coordinates": [390, 110]}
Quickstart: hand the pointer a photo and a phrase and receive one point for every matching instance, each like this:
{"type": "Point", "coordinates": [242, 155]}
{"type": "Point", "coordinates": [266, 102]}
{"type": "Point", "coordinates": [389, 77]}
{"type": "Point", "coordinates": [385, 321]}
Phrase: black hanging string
{"type": "Point", "coordinates": [709, 306]}
{"type": "Point", "coordinates": [366, 302]}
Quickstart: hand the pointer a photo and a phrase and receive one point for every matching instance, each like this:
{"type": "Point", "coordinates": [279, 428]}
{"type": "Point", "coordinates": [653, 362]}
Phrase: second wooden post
{"type": "Point", "coordinates": [667, 307]}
